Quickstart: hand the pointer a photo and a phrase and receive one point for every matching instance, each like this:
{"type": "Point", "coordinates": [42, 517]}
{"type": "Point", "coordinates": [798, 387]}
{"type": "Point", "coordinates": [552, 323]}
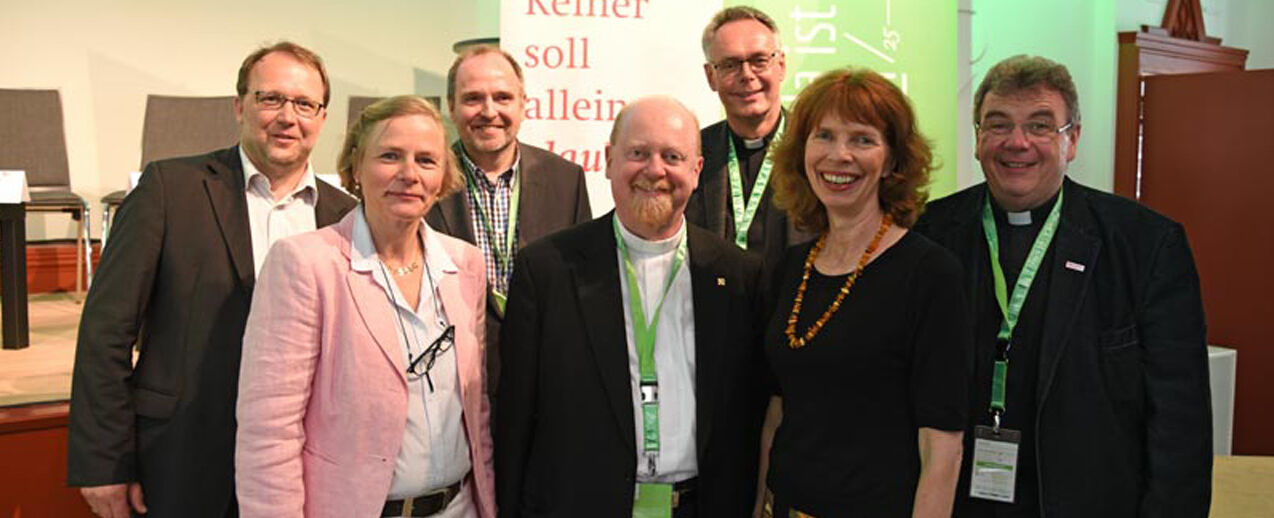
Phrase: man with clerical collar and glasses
{"type": "Point", "coordinates": [514, 192]}
{"type": "Point", "coordinates": [177, 277]}
{"type": "Point", "coordinates": [632, 351]}
{"type": "Point", "coordinates": [1090, 393]}
{"type": "Point", "coordinates": [745, 67]}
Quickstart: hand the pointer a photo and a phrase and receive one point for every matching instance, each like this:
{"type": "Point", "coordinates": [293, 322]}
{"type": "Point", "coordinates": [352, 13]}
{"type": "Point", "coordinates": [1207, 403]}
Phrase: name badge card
{"type": "Point", "coordinates": [994, 463]}
{"type": "Point", "coordinates": [653, 501]}
{"type": "Point", "coordinates": [13, 187]}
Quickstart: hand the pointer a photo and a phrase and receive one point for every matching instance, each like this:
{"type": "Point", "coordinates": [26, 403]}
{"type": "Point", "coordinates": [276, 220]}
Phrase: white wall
{"type": "Point", "coordinates": [1077, 33]}
{"type": "Point", "coordinates": [106, 56]}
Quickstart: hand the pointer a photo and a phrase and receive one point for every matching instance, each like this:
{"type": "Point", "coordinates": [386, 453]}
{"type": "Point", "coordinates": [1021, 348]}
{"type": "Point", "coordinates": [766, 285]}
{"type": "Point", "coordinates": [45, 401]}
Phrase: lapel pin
{"type": "Point", "coordinates": [1072, 265]}
{"type": "Point", "coordinates": [720, 281]}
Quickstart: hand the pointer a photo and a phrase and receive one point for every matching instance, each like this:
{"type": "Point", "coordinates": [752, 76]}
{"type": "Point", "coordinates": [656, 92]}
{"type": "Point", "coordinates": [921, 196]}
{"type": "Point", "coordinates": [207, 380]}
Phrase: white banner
{"type": "Point", "coordinates": [584, 59]}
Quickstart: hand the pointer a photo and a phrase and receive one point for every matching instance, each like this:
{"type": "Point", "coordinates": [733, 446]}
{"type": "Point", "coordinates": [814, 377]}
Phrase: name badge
{"type": "Point", "coordinates": [652, 501]}
{"type": "Point", "coordinates": [994, 463]}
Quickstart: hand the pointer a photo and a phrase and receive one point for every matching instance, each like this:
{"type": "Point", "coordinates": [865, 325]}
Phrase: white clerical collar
{"type": "Point", "coordinates": [754, 143]}
{"type": "Point", "coordinates": [1018, 219]}
{"type": "Point", "coordinates": [646, 247]}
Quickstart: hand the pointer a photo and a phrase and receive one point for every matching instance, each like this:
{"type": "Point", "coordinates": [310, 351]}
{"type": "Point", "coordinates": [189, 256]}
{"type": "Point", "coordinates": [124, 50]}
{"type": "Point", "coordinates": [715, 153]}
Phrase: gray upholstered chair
{"type": "Point", "coordinates": [179, 126]}
{"type": "Point", "coordinates": [33, 139]}
{"type": "Point", "coordinates": [356, 105]}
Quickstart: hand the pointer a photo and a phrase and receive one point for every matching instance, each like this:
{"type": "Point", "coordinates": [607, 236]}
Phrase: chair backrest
{"type": "Point", "coordinates": [32, 137]}
{"type": "Point", "coordinates": [183, 126]}
{"type": "Point", "coordinates": [356, 105]}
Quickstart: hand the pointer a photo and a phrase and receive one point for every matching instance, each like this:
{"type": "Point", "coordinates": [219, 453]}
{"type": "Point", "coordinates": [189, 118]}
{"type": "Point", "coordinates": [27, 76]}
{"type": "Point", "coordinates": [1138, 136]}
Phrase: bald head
{"type": "Point", "coordinates": [653, 164]}
{"type": "Point", "coordinates": [661, 104]}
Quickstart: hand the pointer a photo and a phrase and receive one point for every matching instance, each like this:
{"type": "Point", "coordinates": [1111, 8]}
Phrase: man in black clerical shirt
{"type": "Point", "coordinates": [1088, 311]}
{"type": "Point", "coordinates": [745, 67]}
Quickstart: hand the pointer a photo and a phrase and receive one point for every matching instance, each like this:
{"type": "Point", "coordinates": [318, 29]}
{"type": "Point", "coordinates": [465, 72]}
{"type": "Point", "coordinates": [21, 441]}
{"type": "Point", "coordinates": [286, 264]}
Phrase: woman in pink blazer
{"type": "Point", "coordinates": [361, 391]}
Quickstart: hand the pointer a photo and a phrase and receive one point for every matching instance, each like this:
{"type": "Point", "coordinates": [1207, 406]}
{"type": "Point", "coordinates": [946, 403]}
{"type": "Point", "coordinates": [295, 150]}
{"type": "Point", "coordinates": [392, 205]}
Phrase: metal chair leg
{"type": "Point", "coordinates": [88, 247]}
{"type": "Point", "coordinates": [79, 258]}
{"type": "Point", "coordinates": [106, 223]}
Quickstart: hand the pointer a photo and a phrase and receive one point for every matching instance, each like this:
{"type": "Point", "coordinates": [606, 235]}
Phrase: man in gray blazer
{"type": "Point", "coordinates": [177, 277]}
{"type": "Point", "coordinates": [514, 193]}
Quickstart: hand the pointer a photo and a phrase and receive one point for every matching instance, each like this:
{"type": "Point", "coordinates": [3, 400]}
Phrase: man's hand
{"type": "Point", "coordinates": [114, 500]}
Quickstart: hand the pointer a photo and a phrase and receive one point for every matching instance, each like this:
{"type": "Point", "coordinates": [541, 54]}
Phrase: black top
{"type": "Point", "coordinates": [892, 359]}
{"type": "Point", "coordinates": [1024, 357]}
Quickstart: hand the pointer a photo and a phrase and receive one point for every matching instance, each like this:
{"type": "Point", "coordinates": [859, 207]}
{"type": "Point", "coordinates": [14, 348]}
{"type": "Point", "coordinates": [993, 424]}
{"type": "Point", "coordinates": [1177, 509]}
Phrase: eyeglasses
{"type": "Point", "coordinates": [275, 101]}
{"type": "Point", "coordinates": [440, 345]}
{"type": "Point", "coordinates": [759, 63]}
{"type": "Point", "coordinates": [1035, 129]}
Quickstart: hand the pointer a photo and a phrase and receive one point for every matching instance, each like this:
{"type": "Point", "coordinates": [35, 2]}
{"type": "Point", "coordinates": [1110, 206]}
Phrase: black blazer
{"type": "Point", "coordinates": [709, 205]}
{"type": "Point", "coordinates": [1124, 424]}
{"type": "Point", "coordinates": [178, 274]}
{"type": "Point", "coordinates": [565, 441]}
{"type": "Point", "coordinates": [553, 198]}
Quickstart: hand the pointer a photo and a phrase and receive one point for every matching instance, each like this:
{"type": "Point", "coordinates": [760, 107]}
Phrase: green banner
{"type": "Point", "coordinates": [911, 42]}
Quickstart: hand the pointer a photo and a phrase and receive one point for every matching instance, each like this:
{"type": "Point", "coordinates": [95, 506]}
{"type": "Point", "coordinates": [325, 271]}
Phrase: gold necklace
{"type": "Point", "coordinates": [400, 271]}
{"type": "Point", "coordinates": [798, 342]}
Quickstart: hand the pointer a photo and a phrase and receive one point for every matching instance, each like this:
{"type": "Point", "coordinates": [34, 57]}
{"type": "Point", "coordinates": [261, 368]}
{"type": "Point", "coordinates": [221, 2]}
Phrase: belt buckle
{"type": "Point", "coordinates": [676, 498]}
{"type": "Point", "coordinates": [408, 503]}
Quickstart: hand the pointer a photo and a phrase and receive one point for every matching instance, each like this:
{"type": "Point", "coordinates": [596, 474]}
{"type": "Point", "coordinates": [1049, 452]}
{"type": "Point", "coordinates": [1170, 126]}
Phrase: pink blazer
{"type": "Point", "coordinates": [322, 387]}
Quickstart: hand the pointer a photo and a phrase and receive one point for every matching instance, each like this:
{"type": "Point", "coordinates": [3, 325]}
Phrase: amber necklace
{"type": "Point", "coordinates": [798, 342]}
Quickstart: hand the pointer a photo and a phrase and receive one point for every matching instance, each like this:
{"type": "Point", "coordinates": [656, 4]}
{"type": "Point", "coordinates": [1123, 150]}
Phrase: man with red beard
{"type": "Point", "coordinates": [1090, 394]}
{"type": "Point", "coordinates": [631, 349]}
{"type": "Point", "coordinates": [745, 67]}
{"type": "Point", "coordinates": [514, 193]}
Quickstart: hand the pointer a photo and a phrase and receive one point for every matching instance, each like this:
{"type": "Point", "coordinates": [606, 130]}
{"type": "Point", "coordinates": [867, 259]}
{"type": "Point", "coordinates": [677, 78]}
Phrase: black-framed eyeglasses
{"type": "Point", "coordinates": [421, 365]}
{"type": "Point", "coordinates": [1035, 129]}
{"type": "Point", "coordinates": [758, 63]}
{"type": "Point", "coordinates": [275, 101]}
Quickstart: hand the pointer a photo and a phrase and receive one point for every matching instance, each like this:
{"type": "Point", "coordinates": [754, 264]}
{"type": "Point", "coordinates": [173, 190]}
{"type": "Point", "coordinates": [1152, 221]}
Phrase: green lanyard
{"type": "Point", "coordinates": [1011, 307]}
{"type": "Point", "coordinates": [503, 250]}
{"type": "Point", "coordinates": [644, 334]}
{"type": "Point", "coordinates": [744, 213]}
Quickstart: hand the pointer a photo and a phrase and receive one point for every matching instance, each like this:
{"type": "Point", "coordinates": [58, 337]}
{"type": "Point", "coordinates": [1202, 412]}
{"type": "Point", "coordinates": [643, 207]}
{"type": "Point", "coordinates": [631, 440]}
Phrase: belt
{"type": "Point", "coordinates": [423, 505]}
{"type": "Point", "coordinates": [684, 490]}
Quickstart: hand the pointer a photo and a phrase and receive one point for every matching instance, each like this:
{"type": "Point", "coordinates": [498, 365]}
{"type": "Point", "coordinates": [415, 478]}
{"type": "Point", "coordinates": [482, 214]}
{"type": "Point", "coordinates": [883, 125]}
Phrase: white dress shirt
{"type": "Point", "coordinates": [435, 450]}
{"type": "Point", "coordinates": [674, 355]}
{"type": "Point", "coordinates": [272, 220]}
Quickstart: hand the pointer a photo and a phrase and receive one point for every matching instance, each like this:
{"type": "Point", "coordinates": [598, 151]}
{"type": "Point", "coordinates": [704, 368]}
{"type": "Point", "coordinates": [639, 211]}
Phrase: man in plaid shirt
{"type": "Point", "coordinates": [514, 193]}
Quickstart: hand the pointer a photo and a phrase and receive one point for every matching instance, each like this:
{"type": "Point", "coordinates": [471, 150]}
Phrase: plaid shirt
{"type": "Point", "coordinates": [492, 201]}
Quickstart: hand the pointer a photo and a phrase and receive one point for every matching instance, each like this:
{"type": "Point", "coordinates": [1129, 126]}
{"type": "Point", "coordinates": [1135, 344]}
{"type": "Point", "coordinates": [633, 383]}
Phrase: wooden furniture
{"type": "Point", "coordinates": [33, 446]}
{"type": "Point", "coordinates": [1179, 46]}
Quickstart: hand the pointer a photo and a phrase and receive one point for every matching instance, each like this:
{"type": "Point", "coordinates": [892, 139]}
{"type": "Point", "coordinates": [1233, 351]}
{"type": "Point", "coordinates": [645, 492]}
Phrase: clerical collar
{"type": "Point", "coordinates": [752, 144]}
{"type": "Point", "coordinates": [1032, 217]}
{"type": "Point", "coordinates": [641, 246]}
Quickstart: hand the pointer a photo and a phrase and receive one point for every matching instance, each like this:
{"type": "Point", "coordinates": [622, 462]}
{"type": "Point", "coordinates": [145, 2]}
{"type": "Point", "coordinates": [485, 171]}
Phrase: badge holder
{"type": "Point", "coordinates": [652, 501]}
{"type": "Point", "coordinates": [994, 463]}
